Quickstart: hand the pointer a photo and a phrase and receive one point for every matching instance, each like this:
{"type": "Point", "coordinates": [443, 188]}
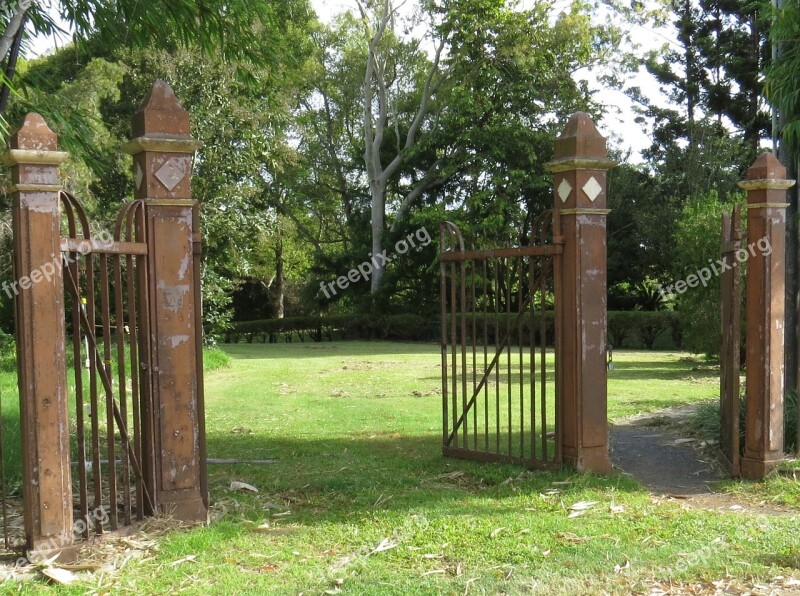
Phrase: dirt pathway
{"type": "Point", "coordinates": [661, 460]}
{"type": "Point", "coordinates": [656, 450]}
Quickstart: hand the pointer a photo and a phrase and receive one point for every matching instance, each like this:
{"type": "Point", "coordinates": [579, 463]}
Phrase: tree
{"type": "Point", "coordinates": [241, 119]}
{"type": "Point", "coordinates": [474, 113]}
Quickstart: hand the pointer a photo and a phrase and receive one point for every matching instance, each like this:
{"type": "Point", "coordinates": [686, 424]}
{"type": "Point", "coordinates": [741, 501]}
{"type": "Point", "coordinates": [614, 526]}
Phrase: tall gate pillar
{"type": "Point", "coordinates": [766, 227]}
{"type": "Point", "coordinates": [163, 149]}
{"type": "Point", "coordinates": [579, 165]}
{"type": "Point", "coordinates": [38, 289]}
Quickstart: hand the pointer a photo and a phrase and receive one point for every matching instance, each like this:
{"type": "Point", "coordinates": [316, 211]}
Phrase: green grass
{"type": "Point", "coordinates": [213, 359]}
{"type": "Point", "coordinates": [359, 498]}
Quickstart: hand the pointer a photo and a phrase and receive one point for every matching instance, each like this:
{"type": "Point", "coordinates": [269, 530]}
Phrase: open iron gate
{"type": "Point", "coordinates": [107, 308]}
{"type": "Point", "coordinates": [500, 383]}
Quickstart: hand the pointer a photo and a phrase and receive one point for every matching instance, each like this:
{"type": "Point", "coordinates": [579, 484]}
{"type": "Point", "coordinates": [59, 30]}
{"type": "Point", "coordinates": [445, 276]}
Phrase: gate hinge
{"type": "Point", "coordinates": [197, 244]}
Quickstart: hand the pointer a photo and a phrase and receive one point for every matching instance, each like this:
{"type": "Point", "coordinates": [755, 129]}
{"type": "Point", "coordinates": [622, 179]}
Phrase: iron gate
{"type": "Point", "coordinates": [105, 281]}
{"type": "Point", "coordinates": [500, 383]}
{"type": "Point", "coordinates": [109, 338]}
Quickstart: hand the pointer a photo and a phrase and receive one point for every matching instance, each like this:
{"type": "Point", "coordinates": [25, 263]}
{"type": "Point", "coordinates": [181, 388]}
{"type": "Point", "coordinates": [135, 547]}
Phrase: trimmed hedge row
{"type": "Point", "coordinates": [645, 327]}
{"type": "Point", "coordinates": [348, 327]}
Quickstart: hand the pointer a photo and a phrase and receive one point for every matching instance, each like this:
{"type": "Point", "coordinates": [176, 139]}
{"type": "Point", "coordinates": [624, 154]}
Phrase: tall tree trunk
{"type": "Point", "coordinates": [279, 281]}
{"type": "Point", "coordinates": [378, 217]}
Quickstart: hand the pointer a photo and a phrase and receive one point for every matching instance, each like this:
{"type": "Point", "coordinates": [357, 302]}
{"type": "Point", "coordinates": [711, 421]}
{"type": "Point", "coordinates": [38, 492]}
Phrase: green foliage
{"type": "Point", "coordinates": [8, 353]}
{"type": "Point", "coordinates": [402, 327]}
{"type": "Point", "coordinates": [214, 359]}
{"type": "Point", "coordinates": [706, 421]}
{"type": "Point", "coordinates": [783, 76]}
{"type": "Point", "coordinates": [697, 238]}
{"type": "Point", "coordinates": [642, 325]}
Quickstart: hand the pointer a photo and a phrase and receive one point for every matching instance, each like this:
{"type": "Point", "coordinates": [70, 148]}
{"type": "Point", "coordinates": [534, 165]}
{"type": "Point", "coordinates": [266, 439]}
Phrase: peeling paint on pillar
{"type": "Point", "coordinates": [47, 488]}
{"type": "Point", "coordinates": [580, 162]}
{"type": "Point", "coordinates": [162, 150]}
{"type": "Point", "coordinates": [766, 216]}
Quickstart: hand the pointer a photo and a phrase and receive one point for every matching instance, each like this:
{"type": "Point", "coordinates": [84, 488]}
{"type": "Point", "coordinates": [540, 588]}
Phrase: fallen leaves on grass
{"type": "Point", "coordinates": [242, 486]}
{"type": "Point", "coordinates": [579, 508]}
{"type": "Point", "coordinates": [64, 577]}
{"type": "Point", "coordinates": [185, 559]}
{"type": "Point", "coordinates": [570, 537]}
{"type": "Point", "coordinates": [385, 544]}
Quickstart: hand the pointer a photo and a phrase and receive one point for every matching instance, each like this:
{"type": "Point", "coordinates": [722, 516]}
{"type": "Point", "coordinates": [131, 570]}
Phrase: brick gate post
{"type": "Point", "coordinates": [38, 290]}
{"type": "Point", "coordinates": [163, 149]}
{"type": "Point", "coordinates": [579, 165]}
{"type": "Point", "coordinates": [765, 252]}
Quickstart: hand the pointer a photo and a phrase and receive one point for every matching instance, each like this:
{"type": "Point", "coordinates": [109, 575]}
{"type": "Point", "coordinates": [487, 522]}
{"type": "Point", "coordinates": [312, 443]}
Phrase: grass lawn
{"type": "Point", "coordinates": [359, 499]}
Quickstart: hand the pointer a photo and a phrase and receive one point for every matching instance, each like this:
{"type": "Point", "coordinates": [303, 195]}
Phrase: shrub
{"type": "Point", "coordinates": [214, 358]}
{"type": "Point", "coordinates": [646, 326]}
{"type": "Point", "coordinates": [706, 422]}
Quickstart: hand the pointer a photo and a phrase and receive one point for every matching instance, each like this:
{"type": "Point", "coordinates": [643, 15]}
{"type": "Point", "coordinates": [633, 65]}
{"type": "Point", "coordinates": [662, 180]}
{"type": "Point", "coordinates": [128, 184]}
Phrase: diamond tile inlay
{"type": "Point", "coordinates": [564, 189]}
{"type": "Point", "coordinates": [171, 173]}
{"type": "Point", "coordinates": [137, 176]}
{"type": "Point", "coordinates": [592, 188]}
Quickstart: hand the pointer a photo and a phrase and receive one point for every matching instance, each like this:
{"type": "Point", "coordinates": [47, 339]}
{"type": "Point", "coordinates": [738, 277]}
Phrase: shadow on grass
{"type": "Point", "coordinates": [342, 477]}
{"type": "Point", "coordinates": [666, 371]}
{"type": "Point", "coordinates": [309, 349]}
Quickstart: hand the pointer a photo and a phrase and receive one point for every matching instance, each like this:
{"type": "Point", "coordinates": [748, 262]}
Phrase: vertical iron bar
{"type": "Point", "coordinates": [497, 349]}
{"type": "Point", "coordinates": [555, 263]}
{"type": "Point", "coordinates": [532, 355]}
{"type": "Point", "coordinates": [91, 356]}
{"type": "Point", "coordinates": [105, 313]}
{"type": "Point", "coordinates": [131, 270]}
{"type": "Point", "coordinates": [543, 357]}
{"type": "Point", "coordinates": [80, 422]}
{"type": "Point", "coordinates": [443, 340]}
{"type": "Point", "coordinates": [454, 343]}
{"type": "Point", "coordinates": [463, 296]}
{"type": "Point", "coordinates": [122, 382]}
{"type": "Point", "coordinates": [473, 314]}
{"type": "Point", "coordinates": [509, 375]}
{"type": "Point", "coordinates": [520, 325]}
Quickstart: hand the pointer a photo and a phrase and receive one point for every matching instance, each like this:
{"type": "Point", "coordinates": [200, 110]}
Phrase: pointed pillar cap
{"type": "Point", "coordinates": [580, 139]}
{"type": "Point", "coordinates": [34, 135]}
{"type": "Point", "coordinates": [766, 167]}
{"type": "Point", "coordinates": [766, 173]}
{"type": "Point", "coordinates": [161, 115]}
{"type": "Point", "coordinates": [580, 147]}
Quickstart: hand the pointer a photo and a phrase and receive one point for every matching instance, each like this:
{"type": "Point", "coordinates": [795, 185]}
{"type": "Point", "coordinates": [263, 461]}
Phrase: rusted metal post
{"type": "Point", "coordinates": [162, 149]}
{"type": "Point", "coordinates": [38, 289]}
{"type": "Point", "coordinates": [579, 165]}
{"type": "Point", "coordinates": [766, 187]}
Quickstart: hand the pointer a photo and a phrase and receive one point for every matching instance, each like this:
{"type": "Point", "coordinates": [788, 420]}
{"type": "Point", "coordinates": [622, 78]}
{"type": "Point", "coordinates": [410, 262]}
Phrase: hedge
{"type": "Point", "coordinates": [638, 327]}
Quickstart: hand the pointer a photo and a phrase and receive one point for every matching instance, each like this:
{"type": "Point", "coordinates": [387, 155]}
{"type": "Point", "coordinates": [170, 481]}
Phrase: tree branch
{"type": "Point", "coordinates": [13, 27]}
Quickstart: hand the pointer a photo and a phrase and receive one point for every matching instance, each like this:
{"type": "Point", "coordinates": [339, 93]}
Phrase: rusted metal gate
{"type": "Point", "coordinates": [105, 281]}
{"type": "Point", "coordinates": [109, 338]}
{"type": "Point", "coordinates": [730, 352]}
{"type": "Point", "coordinates": [505, 396]}
{"type": "Point", "coordinates": [500, 384]}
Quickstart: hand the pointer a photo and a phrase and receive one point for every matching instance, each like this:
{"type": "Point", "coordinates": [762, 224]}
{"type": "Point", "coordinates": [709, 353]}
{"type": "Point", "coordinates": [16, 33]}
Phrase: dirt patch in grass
{"type": "Point", "coordinates": [655, 449]}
